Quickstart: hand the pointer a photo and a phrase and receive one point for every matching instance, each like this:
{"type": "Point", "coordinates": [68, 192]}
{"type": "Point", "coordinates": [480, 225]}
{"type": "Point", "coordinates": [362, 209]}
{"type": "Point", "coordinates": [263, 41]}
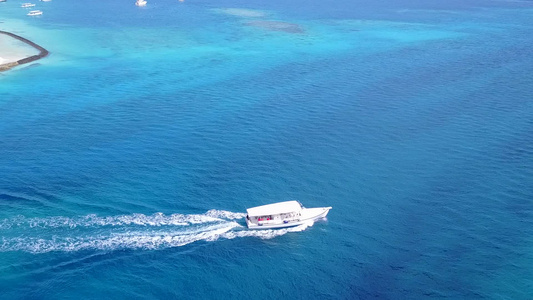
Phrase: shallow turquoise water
{"type": "Point", "coordinates": [130, 153]}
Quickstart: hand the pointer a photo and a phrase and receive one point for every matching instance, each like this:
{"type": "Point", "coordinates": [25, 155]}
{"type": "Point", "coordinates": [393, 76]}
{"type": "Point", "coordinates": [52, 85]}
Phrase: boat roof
{"type": "Point", "coordinates": [275, 208]}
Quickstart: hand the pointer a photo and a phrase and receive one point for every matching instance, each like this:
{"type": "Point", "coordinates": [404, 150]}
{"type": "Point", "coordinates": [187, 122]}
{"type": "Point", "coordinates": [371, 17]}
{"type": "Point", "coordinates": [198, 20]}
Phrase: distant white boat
{"type": "Point", "coordinates": [45, 0]}
{"type": "Point", "coordinates": [35, 13]}
{"type": "Point", "coordinates": [141, 3]}
{"type": "Point", "coordinates": [27, 5]}
{"type": "Point", "coordinates": [282, 214]}
{"type": "Point", "coordinates": [2, 0]}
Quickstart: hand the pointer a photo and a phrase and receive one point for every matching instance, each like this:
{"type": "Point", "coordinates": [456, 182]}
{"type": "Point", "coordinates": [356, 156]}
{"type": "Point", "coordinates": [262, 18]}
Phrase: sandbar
{"type": "Point", "coordinates": [276, 26]}
{"type": "Point", "coordinates": [241, 12]}
{"type": "Point", "coordinates": [16, 50]}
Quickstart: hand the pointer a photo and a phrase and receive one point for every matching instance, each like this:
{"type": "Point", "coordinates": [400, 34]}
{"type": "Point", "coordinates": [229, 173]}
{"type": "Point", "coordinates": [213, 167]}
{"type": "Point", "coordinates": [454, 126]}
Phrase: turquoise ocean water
{"type": "Point", "coordinates": [129, 155]}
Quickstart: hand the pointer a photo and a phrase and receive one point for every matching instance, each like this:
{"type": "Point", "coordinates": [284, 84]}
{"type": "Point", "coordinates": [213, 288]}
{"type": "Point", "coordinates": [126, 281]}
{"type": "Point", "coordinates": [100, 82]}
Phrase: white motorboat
{"type": "Point", "coordinates": [35, 13]}
{"type": "Point", "coordinates": [282, 214]}
{"type": "Point", "coordinates": [27, 5]}
{"type": "Point", "coordinates": [141, 3]}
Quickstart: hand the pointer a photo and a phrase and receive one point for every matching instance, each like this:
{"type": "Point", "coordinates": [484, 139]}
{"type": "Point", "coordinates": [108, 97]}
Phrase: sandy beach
{"type": "Point", "coordinates": [12, 50]}
{"type": "Point", "coordinates": [17, 50]}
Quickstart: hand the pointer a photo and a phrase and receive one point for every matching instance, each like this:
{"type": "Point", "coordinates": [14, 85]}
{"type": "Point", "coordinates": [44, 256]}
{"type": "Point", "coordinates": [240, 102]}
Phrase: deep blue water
{"type": "Point", "coordinates": [129, 155]}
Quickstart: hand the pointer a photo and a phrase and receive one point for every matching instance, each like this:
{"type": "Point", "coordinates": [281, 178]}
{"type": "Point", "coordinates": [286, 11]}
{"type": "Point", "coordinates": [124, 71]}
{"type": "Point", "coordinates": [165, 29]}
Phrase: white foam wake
{"type": "Point", "coordinates": [157, 219]}
{"type": "Point", "coordinates": [135, 231]}
{"type": "Point", "coordinates": [116, 241]}
{"type": "Point", "coordinates": [224, 214]}
{"type": "Point", "coordinates": [266, 234]}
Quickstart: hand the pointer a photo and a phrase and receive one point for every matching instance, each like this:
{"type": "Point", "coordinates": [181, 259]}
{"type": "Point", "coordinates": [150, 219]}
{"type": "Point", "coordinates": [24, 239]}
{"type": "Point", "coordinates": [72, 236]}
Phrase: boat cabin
{"type": "Point", "coordinates": [276, 213]}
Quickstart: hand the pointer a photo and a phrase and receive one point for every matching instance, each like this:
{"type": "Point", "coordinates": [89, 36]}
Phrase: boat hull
{"type": "Point", "coordinates": [307, 214]}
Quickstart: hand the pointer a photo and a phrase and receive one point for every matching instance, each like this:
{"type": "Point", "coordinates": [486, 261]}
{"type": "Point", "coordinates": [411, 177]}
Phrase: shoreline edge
{"type": "Point", "coordinates": [42, 52]}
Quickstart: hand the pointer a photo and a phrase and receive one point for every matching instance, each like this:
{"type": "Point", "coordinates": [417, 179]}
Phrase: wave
{"type": "Point", "coordinates": [135, 231]}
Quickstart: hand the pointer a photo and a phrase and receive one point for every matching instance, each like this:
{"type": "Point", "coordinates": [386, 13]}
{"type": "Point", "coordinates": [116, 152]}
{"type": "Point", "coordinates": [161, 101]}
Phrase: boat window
{"type": "Point", "coordinates": [264, 218]}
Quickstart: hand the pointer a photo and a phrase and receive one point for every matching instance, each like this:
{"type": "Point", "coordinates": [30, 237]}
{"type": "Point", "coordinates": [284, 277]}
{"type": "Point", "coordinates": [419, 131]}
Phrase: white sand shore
{"type": "Point", "coordinates": [12, 49]}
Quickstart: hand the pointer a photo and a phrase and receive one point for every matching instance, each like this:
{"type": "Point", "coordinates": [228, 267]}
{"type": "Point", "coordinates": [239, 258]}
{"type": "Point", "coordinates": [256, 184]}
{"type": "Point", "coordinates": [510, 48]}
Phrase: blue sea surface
{"type": "Point", "coordinates": [129, 155]}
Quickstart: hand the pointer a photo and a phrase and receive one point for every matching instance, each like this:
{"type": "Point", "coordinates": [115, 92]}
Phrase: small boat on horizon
{"type": "Point", "coordinates": [282, 214]}
{"type": "Point", "coordinates": [24, 5]}
{"type": "Point", "coordinates": [141, 2]}
{"type": "Point", "coordinates": [35, 13]}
